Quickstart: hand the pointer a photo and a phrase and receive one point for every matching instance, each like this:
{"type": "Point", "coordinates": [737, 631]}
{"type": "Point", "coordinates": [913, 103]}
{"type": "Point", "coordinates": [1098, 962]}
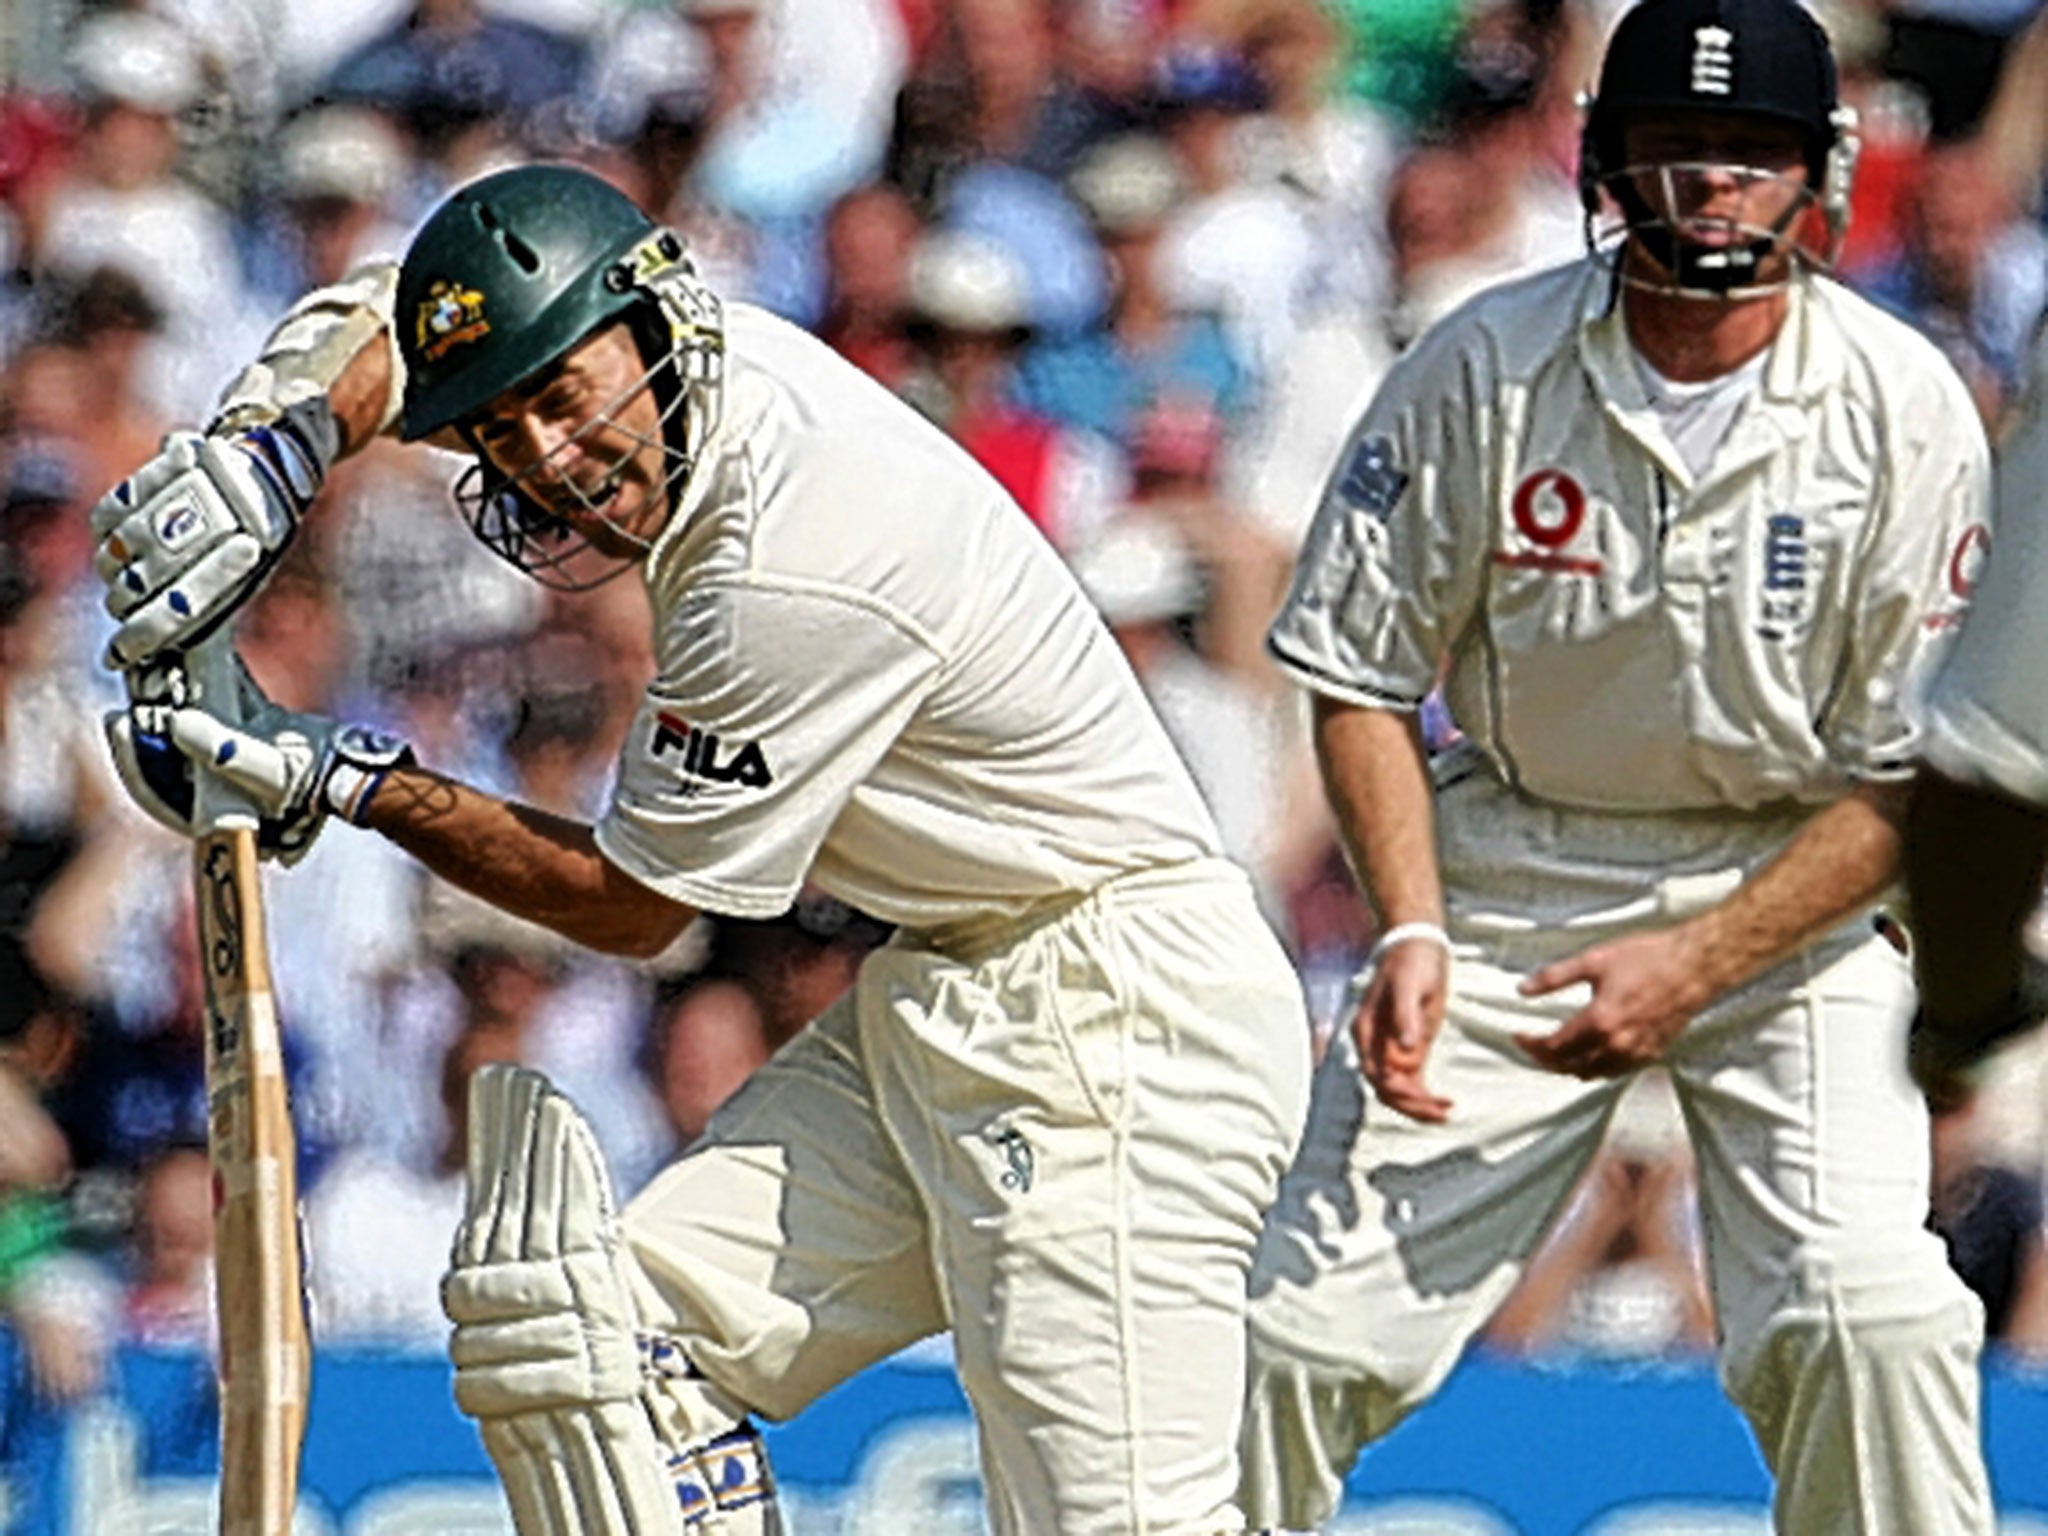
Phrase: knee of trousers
{"type": "Point", "coordinates": [1305, 1423]}
{"type": "Point", "coordinates": [1899, 1376]}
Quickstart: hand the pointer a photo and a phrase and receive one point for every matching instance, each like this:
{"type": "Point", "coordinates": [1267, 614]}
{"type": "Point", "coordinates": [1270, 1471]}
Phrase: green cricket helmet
{"type": "Point", "coordinates": [510, 274]}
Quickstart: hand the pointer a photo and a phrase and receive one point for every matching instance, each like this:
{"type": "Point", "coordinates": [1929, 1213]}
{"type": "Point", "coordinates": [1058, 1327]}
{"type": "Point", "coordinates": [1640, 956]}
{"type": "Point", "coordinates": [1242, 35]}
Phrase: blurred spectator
{"type": "Point", "coordinates": [1990, 1215]}
{"type": "Point", "coordinates": [1244, 249]}
{"type": "Point", "coordinates": [169, 1293]}
{"type": "Point", "coordinates": [340, 921]}
{"type": "Point", "coordinates": [1621, 1274]}
{"type": "Point", "coordinates": [1401, 55]}
{"type": "Point", "coordinates": [139, 1084]}
{"type": "Point", "coordinates": [970, 320]}
{"type": "Point", "coordinates": [1149, 347]}
{"type": "Point", "coordinates": [869, 236]}
{"type": "Point", "coordinates": [339, 183]}
{"type": "Point", "coordinates": [797, 114]}
{"type": "Point", "coordinates": [1483, 199]}
{"type": "Point", "coordinates": [63, 821]}
{"type": "Point", "coordinates": [378, 1225]}
{"type": "Point", "coordinates": [1972, 272]}
{"type": "Point", "coordinates": [961, 150]}
{"type": "Point", "coordinates": [1142, 574]}
{"type": "Point", "coordinates": [35, 143]}
{"type": "Point", "coordinates": [707, 1038]}
{"type": "Point", "coordinates": [580, 1017]}
{"type": "Point", "coordinates": [1102, 52]}
{"type": "Point", "coordinates": [60, 1302]}
{"type": "Point", "coordinates": [464, 81]}
{"type": "Point", "coordinates": [2015, 132]}
{"type": "Point", "coordinates": [1338, 151]}
{"type": "Point", "coordinates": [122, 204]}
{"type": "Point", "coordinates": [78, 387]}
{"type": "Point", "coordinates": [1953, 50]}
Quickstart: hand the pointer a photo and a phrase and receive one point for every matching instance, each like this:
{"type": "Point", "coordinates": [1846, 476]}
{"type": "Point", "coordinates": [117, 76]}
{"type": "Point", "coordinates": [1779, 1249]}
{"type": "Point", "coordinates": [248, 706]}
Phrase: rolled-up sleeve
{"type": "Point", "coordinates": [1388, 574]}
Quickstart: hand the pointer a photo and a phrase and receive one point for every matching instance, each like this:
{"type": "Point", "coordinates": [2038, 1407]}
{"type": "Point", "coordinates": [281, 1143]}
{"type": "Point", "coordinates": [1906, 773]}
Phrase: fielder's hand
{"type": "Point", "coordinates": [1646, 989]}
{"type": "Point", "coordinates": [1401, 998]}
{"type": "Point", "coordinates": [189, 536]}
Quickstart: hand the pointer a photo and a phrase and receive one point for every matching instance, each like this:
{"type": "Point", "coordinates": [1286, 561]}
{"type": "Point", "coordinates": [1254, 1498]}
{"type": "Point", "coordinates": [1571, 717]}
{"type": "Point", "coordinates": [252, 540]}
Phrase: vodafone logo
{"type": "Point", "coordinates": [1549, 507]}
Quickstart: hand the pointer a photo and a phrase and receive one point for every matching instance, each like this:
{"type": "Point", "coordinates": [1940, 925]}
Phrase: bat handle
{"type": "Point", "coordinates": [217, 805]}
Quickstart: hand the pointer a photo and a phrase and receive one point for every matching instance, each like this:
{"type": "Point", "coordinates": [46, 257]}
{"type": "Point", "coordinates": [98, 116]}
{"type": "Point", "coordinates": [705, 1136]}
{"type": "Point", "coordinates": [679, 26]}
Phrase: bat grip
{"type": "Point", "coordinates": [217, 805]}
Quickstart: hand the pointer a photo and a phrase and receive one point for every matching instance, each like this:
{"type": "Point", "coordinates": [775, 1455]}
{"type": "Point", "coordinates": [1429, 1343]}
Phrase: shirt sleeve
{"type": "Point", "coordinates": [1987, 718]}
{"type": "Point", "coordinates": [1919, 571]}
{"type": "Point", "coordinates": [1389, 574]}
{"type": "Point", "coordinates": [774, 704]}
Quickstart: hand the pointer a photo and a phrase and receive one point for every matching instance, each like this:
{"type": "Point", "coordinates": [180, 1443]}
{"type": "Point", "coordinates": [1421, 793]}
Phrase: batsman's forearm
{"type": "Point", "coordinates": [335, 341]}
{"type": "Point", "coordinates": [1841, 861]}
{"type": "Point", "coordinates": [532, 864]}
{"type": "Point", "coordinates": [1377, 776]}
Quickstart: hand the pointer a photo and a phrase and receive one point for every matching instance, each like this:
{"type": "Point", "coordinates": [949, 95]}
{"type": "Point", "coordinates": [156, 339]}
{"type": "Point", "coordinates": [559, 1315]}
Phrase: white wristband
{"type": "Point", "coordinates": [1401, 933]}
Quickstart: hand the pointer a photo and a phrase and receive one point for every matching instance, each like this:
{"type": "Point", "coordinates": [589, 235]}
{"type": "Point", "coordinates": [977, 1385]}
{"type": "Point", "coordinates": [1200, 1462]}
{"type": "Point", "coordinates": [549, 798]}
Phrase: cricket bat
{"type": "Point", "coordinates": [265, 1359]}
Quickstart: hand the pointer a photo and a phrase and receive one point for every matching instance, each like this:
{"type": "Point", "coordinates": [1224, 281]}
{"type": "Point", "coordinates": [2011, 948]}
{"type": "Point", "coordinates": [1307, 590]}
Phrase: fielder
{"type": "Point", "coordinates": [1977, 830]}
{"type": "Point", "coordinates": [1683, 522]}
{"type": "Point", "coordinates": [1051, 1113]}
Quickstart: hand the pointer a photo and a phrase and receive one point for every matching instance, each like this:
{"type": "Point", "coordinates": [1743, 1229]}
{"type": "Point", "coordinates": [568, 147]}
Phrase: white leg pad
{"type": "Point", "coordinates": [547, 1349]}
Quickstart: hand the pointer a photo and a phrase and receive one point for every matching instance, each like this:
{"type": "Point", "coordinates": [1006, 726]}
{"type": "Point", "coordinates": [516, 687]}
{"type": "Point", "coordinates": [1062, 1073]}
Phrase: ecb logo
{"type": "Point", "coordinates": [1782, 608]}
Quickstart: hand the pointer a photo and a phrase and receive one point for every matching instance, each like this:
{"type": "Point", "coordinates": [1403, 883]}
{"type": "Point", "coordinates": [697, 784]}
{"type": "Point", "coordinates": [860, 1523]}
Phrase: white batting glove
{"type": "Point", "coordinates": [188, 537]}
{"type": "Point", "coordinates": [297, 769]}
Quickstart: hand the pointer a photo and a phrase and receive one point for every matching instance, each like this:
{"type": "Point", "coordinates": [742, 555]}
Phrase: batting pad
{"type": "Point", "coordinates": [544, 1346]}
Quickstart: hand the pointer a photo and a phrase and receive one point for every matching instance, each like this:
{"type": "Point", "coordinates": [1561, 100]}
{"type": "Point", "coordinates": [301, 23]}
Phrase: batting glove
{"type": "Point", "coordinates": [296, 769]}
{"type": "Point", "coordinates": [188, 537]}
{"type": "Point", "coordinates": [1947, 1058]}
{"type": "Point", "coordinates": [160, 778]}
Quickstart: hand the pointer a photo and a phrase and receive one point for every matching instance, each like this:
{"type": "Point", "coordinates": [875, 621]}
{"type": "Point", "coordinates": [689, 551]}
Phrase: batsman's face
{"type": "Point", "coordinates": [1718, 179]}
{"type": "Point", "coordinates": [584, 440]}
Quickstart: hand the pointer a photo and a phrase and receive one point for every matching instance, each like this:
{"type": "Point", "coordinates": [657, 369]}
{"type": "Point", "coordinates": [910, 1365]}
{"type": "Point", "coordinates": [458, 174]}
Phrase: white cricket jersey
{"type": "Point", "coordinates": [875, 673]}
{"type": "Point", "coordinates": [1988, 714]}
{"type": "Point", "coordinates": [1622, 635]}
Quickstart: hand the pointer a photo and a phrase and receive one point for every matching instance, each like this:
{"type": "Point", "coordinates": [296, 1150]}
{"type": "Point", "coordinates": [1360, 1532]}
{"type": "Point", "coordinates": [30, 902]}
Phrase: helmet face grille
{"type": "Point", "coordinates": [520, 517]}
{"type": "Point", "coordinates": [1662, 206]}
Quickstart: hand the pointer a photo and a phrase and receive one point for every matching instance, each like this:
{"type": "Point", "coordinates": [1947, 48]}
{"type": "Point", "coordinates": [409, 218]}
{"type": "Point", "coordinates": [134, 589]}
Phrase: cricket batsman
{"type": "Point", "coordinates": [1683, 525]}
{"type": "Point", "coordinates": [1050, 1114]}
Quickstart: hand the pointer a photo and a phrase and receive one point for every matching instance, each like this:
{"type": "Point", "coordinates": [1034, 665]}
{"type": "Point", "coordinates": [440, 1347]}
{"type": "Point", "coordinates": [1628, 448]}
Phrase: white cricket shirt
{"type": "Point", "coordinates": [1620, 634]}
{"type": "Point", "coordinates": [874, 672]}
{"type": "Point", "coordinates": [1988, 714]}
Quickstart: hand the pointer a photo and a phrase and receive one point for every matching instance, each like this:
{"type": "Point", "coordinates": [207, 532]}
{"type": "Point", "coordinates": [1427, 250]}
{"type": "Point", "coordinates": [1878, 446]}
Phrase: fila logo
{"type": "Point", "coordinates": [746, 765]}
{"type": "Point", "coordinates": [1713, 61]}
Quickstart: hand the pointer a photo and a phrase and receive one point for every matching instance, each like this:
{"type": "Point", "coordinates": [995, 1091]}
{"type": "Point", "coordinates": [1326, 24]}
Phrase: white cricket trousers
{"type": "Point", "coordinates": [1060, 1145]}
{"type": "Point", "coordinates": [1845, 1338]}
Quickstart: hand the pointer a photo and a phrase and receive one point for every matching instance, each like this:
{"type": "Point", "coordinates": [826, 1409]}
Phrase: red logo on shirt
{"type": "Point", "coordinates": [1549, 506]}
{"type": "Point", "coordinates": [747, 764]}
{"type": "Point", "coordinates": [1966, 564]}
{"type": "Point", "coordinates": [1965, 568]}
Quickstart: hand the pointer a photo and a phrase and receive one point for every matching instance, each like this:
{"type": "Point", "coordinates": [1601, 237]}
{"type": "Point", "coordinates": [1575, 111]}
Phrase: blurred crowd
{"type": "Point", "coordinates": [1145, 259]}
